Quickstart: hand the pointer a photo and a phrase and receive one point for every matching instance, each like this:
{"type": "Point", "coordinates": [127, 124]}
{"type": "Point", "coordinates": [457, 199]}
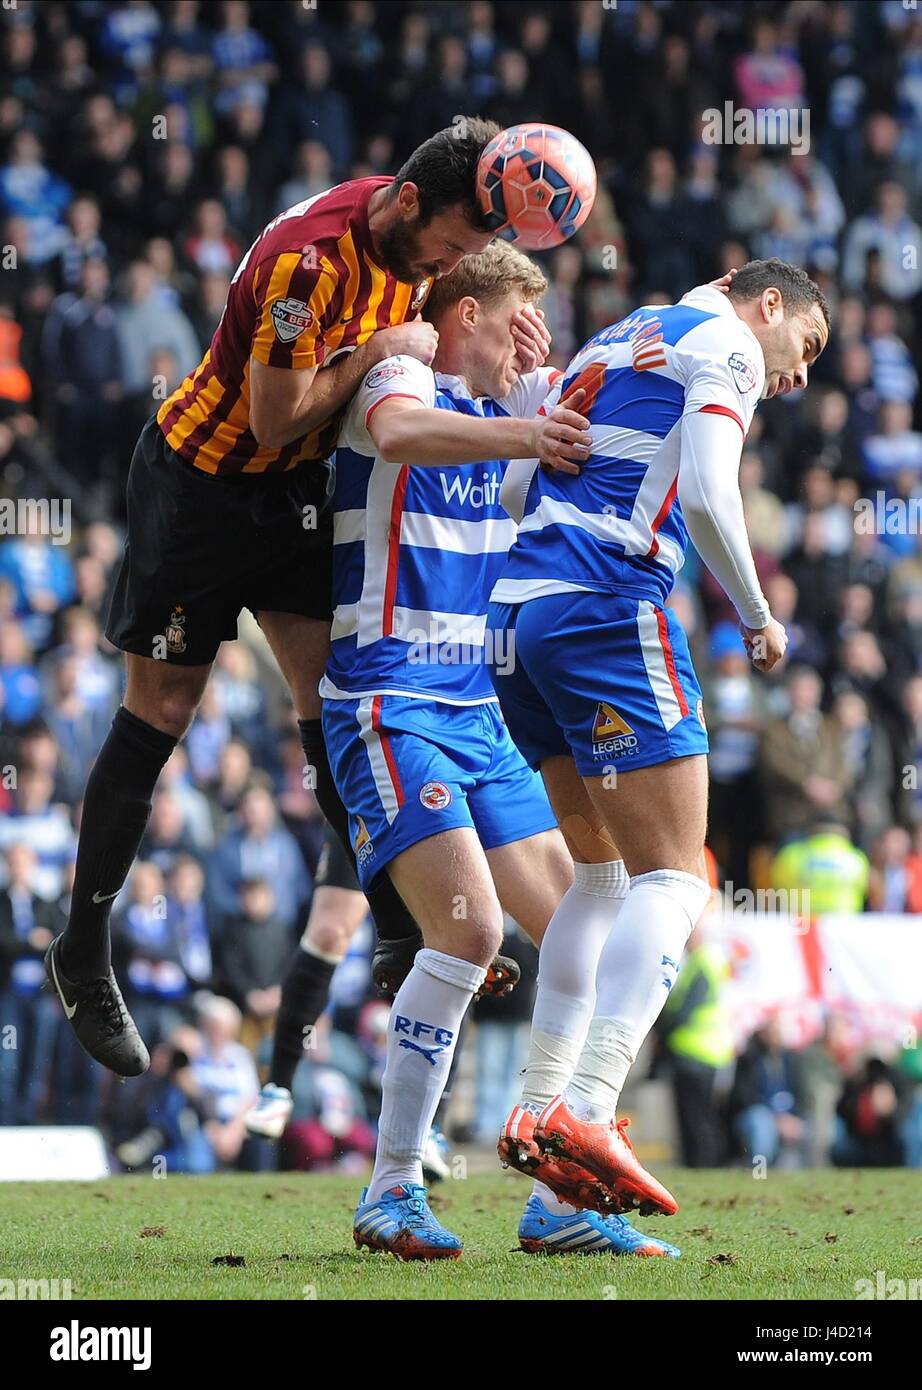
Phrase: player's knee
{"type": "Point", "coordinates": [329, 934]}
{"type": "Point", "coordinates": [166, 700]}
{"type": "Point", "coordinates": [176, 711]}
{"type": "Point", "coordinates": [479, 938]}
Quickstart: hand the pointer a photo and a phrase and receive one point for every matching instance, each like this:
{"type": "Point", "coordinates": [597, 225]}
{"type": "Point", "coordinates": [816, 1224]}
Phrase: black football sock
{"type": "Point", "coordinates": [116, 808]}
{"type": "Point", "coordinates": [393, 921]}
{"type": "Point", "coordinates": [328, 799]}
{"type": "Point", "coordinates": [305, 990]}
{"type": "Point", "coordinates": [392, 918]}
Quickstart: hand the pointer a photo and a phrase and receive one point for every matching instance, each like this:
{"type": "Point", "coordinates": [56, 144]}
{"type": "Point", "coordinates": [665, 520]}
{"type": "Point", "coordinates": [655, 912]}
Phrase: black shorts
{"type": "Point", "coordinates": [335, 868]}
{"type": "Point", "coordinates": [200, 548]}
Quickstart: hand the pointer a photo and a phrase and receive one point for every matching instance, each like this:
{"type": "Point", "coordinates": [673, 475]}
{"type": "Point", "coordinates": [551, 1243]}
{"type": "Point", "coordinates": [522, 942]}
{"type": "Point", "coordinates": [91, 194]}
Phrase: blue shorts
{"type": "Point", "coordinates": [407, 769]}
{"type": "Point", "coordinates": [603, 678]}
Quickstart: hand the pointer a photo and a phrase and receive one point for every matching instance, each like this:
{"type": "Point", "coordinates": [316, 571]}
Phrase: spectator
{"type": "Point", "coordinates": [206, 313]}
{"type": "Point", "coordinates": [240, 192]}
{"type": "Point", "coordinates": [235, 767]}
{"type": "Point", "coordinates": [313, 109]}
{"type": "Point", "coordinates": [225, 1077]}
{"type": "Point", "coordinates": [822, 873]}
{"type": "Point", "coordinates": [694, 1028]}
{"type": "Point", "coordinates": [735, 717]}
{"type": "Point", "coordinates": [869, 760]}
{"type": "Point", "coordinates": [769, 76]}
{"type": "Point", "coordinates": [82, 356]}
{"type": "Point", "coordinates": [894, 881]}
{"type": "Point", "coordinates": [255, 949]}
{"type": "Point", "coordinates": [28, 925]}
{"type": "Point", "coordinates": [259, 848]}
{"type": "Point", "coordinates": [884, 234]}
{"type": "Point", "coordinates": [78, 728]}
{"type": "Point", "coordinates": [96, 678]}
{"type": "Point", "coordinates": [22, 693]}
{"type": "Point", "coordinates": [242, 59]}
{"type": "Point", "coordinates": [30, 190]}
{"type": "Point", "coordinates": [165, 838]}
{"type": "Point", "coordinates": [664, 263]}
{"type": "Point", "coordinates": [892, 371]}
{"type": "Point", "coordinates": [872, 1109]}
{"type": "Point", "coordinates": [802, 764]}
{"type": "Point", "coordinates": [82, 242]}
{"type": "Point", "coordinates": [144, 326]}
{"type": "Point", "coordinates": [210, 732]}
{"type": "Point", "coordinates": [156, 983]}
{"type": "Point", "coordinates": [313, 172]}
{"type": "Point", "coordinates": [42, 577]}
{"type": "Point", "coordinates": [194, 807]}
{"type": "Point", "coordinates": [35, 820]}
{"type": "Point", "coordinates": [210, 247]}
{"type": "Point", "coordinates": [910, 751]}
{"type": "Point", "coordinates": [200, 1087]}
{"type": "Point", "coordinates": [767, 1100]}
{"type": "Point", "coordinates": [188, 919]}
{"type": "Point", "coordinates": [897, 446]}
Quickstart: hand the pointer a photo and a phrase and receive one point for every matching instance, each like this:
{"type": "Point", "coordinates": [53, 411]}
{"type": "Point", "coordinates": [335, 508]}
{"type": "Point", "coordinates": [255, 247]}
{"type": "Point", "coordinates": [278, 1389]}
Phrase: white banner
{"type": "Point", "coordinates": [867, 967]}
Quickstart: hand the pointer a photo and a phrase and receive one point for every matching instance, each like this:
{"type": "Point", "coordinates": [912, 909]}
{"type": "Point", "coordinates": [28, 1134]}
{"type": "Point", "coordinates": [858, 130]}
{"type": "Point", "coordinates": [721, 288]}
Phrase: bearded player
{"type": "Point", "coordinates": [226, 497]}
{"type": "Point", "coordinates": [603, 697]}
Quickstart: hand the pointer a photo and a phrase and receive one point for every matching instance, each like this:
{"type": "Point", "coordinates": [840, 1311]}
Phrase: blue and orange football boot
{"type": "Point", "coordinates": [401, 1223]}
{"type": "Point", "coordinates": [543, 1232]}
{"type": "Point", "coordinates": [618, 1182]}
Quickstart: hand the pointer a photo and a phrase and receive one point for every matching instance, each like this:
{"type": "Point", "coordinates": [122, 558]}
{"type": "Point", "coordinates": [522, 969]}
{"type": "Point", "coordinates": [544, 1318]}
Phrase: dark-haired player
{"type": "Point", "coordinates": [226, 498]}
{"type": "Point", "coordinates": [603, 696]}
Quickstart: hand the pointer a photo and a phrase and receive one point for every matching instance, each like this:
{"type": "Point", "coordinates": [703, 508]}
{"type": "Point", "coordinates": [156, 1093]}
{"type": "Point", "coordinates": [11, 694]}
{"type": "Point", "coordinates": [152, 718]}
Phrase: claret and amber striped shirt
{"type": "Point", "coordinates": [308, 287]}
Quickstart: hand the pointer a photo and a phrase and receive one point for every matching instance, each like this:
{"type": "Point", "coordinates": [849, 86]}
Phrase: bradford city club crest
{"type": "Point", "coordinates": [175, 632]}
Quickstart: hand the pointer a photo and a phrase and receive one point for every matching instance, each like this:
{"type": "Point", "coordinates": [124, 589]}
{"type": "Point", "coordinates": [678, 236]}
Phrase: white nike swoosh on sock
{"type": "Point", "coordinates": [69, 1009]}
{"type": "Point", "coordinates": [104, 897]}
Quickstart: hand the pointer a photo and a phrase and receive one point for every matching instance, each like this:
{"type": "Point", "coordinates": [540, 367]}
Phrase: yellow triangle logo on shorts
{"type": "Point", "coordinates": [608, 722]}
{"type": "Point", "coordinates": [361, 835]}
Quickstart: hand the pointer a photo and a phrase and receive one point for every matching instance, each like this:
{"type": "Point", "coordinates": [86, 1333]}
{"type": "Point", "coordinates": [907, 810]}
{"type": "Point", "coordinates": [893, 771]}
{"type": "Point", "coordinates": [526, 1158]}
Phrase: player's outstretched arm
{"type": "Point", "coordinates": [287, 403]}
{"type": "Point", "coordinates": [406, 431]}
{"type": "Point", "coordinates": [712, 506]}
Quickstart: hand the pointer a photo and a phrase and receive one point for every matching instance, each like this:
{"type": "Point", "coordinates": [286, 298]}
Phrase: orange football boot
{"type": "Point", "coordinates": [517, 1149]}
{"type": "Point", "coordinates": [603, 1152]}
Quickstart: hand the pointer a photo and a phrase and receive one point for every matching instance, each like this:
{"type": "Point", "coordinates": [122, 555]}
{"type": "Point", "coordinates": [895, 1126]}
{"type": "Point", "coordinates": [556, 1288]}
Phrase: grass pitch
{"type": "Point", "coordinates": [288, 1236]}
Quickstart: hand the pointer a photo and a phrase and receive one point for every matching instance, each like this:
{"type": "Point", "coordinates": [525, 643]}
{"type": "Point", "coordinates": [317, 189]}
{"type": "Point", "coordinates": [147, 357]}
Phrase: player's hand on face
{"type": "Point", "coordinates": [562, 439]}
{"type": "Point", "coordinates": [765, 645]}
{"type": "Point", "coordinates": [414, 339]}
{"type": "Point", "coordinates": [531, 336]}
{"type": "Point", "coordinates": [724, 283]}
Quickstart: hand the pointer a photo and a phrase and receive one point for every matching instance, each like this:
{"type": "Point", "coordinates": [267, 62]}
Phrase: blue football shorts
{"type": "Point", "coordinates": [410, 768]}
{"type": "Point", "coordinates": [603, 678]}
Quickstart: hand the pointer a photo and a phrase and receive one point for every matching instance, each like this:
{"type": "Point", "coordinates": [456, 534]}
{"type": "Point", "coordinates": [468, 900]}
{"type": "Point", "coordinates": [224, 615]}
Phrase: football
{"type": "Point", "coordinates": [536, 185]}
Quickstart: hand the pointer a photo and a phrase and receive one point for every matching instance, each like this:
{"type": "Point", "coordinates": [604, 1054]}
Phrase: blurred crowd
{"type": "Point", "coordinates": [142, 148]}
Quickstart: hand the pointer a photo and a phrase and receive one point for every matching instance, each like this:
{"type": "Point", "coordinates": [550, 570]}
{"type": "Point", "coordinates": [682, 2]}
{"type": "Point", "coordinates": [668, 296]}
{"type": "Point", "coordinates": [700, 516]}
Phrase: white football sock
{"type": "Point", "coordinates": [637, 969]}
{"type": "Point", "coordinates": [422, 1032]}
{"type": "Point", "coordinates": [565, 997]}
{"type": "Point", "coordinates": [567, 966]}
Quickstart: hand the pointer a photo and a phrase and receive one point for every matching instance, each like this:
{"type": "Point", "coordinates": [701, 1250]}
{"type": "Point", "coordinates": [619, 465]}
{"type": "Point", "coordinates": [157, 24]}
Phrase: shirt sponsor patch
{"type": "Point", "coordinates": [382, 374]}
{"type": "Point", "coordinates": [744, 372]}
{"type": "Point", "coordinates": [290, 317]}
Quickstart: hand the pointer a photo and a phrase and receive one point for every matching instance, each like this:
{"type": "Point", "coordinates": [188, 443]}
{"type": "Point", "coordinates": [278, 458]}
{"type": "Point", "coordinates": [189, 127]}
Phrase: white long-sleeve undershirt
{"type": "Point", "coordinates": [709, 494]}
